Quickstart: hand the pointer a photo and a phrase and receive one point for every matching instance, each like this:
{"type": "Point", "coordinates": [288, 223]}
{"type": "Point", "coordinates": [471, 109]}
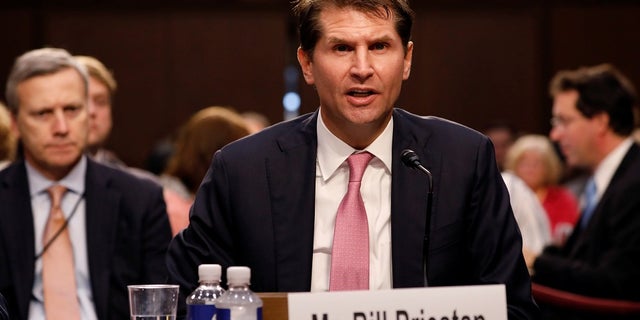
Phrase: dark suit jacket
{"type": "Point", "coordinates": [604, 259]}
{"type": "Point", "coordinates": [255, 207]}
{"type": "Point", "coordinates": [127, 233]}
{"type": "Point", "coordinates": [4, 314]}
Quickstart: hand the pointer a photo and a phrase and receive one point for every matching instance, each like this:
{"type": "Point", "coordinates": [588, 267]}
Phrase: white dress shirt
{"type": "Point", "coordinates": [41, 205]}
{"type": "Point", "coordinates": [332, 176]}
{"type": "Point", "coordinates": [605, 170]}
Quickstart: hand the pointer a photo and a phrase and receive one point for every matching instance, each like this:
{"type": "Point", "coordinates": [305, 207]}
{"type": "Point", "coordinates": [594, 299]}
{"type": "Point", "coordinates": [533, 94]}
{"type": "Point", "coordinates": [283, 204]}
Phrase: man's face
{"type": "Point", "coordinates": [52, 121]}
{"type": "Point", "coordinates": [575, 133]}
{"type": "Point", "coordinates": [532, 169]}
{"type": "Point", "coordinates": [100, 121]}
{"type": "Point", "coordinates": [357, 67]}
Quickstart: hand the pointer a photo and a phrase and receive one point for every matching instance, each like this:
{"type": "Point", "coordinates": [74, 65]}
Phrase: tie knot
{"type": "Point", "coordinates": [55, 193]}
{"type": "Point", "coordinates": [357, 164]}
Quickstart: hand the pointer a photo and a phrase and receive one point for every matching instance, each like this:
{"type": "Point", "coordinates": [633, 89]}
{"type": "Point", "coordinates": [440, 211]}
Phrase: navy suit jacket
{"type": "Point", "coordinates": [127, 233]}
{"type": "Point", "coordinates": [255, 207]}
{"type": "Point", "coordinates": [4, 314]}
{"type": "Point", "coordinates": [603, 260]}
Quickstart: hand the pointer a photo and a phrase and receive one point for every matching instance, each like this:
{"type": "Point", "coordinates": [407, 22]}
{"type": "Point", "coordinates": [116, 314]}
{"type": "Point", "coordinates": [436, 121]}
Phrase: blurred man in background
{"type": "Point", "coordinates": [593, 118]}
{"type": "Point", "coordinates": [73, 233]}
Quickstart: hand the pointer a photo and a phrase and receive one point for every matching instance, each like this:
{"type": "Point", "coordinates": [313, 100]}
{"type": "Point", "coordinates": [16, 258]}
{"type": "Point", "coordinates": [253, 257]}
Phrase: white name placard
{"type": "Point", "coordinates": [486, 302]}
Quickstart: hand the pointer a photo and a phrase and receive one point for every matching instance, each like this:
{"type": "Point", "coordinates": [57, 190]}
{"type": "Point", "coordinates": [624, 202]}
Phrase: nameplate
{"type": "Point", "coordinates": [485, 302]}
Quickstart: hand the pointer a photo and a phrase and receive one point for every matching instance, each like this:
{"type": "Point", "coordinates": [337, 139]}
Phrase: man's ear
{"type": "Point", "coordinates": [305, 63]}
{"type": "Point", "coordinates": [602, 122]}
{"type": "Point", "coordinates": [407, 61]}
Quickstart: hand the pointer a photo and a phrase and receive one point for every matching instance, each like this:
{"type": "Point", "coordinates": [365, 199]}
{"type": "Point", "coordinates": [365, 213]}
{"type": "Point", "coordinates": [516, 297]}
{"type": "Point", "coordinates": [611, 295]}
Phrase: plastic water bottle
{"type": "Point", "coordinates": [201, 302]}
{"type": "Point", "coordinates": [239, 302]}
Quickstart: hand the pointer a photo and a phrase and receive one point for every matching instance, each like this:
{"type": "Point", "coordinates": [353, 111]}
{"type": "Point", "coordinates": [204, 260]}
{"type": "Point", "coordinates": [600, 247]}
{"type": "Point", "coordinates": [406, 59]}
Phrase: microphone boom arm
{"type": "Point", "coordinates": [411, 160]}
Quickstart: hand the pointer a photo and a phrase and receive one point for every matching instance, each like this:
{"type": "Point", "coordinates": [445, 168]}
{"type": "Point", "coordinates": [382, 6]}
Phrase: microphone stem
{"type": "Point", "coordinates": [427, 225]}
{"type": "Point", "coordinates": [428, 173]}
{"type": "Point", "coordinates": [427, 233]}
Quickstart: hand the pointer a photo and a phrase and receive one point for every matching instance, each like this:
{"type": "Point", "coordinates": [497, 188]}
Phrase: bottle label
{"type": "Point", "coordinates": [201, 311]}
{"type": "Point", "coordinates": [239, 314]}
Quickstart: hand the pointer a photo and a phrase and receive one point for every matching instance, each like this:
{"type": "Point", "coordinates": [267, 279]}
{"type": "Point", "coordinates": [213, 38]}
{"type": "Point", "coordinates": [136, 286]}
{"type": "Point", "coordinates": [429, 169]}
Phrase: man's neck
{"type": "Point", "coordinates": [609, 143]}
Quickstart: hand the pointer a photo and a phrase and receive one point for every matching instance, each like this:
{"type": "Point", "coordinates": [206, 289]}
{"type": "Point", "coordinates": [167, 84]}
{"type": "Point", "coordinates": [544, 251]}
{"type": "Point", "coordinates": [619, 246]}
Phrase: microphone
{"type": "Point", "coordinates": [411, 160]}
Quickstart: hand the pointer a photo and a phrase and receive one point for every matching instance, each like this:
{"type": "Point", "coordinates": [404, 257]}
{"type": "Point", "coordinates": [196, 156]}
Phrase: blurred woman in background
{"type": "Point", "coordinates": [534, 159]}
{"type": "Point", "coordinates": [204, 133]}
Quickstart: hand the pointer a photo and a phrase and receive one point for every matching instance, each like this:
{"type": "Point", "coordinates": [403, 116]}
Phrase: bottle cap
{"type": "Point", "coordinates": [209, 272]}
{"type": "Point", "coordinates": [238, 275]}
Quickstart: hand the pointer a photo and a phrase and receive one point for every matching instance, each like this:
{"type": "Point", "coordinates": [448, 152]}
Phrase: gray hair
{"type": "Point", "coordinates": [40, 62]}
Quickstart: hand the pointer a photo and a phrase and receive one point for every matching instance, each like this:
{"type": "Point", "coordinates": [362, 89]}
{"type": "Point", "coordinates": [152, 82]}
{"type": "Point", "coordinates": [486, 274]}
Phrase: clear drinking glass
{"type": "Point", "coordinates": [153, 301]}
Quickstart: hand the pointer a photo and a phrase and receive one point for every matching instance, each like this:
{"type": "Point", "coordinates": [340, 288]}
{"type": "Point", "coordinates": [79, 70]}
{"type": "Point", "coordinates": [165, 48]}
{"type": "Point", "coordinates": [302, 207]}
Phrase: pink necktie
{"type": "Point", "coordinates": [350, 252]}
{"type": "Point", "coordinates": [58, 271]}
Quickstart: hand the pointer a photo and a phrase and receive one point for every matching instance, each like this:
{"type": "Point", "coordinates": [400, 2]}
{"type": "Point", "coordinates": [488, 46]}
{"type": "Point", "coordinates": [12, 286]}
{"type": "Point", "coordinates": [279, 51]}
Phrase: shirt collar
{"type": "Point", "coordinates": [332, 151]}
{"type": "Point", "coordinates": [605, 170]}
{"type": "Point", "coordinates": [74, 181]}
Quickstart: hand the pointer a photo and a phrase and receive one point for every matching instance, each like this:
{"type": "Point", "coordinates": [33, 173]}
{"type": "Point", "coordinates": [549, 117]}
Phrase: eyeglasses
{"type": "Point", "coordinates": [561, 121]}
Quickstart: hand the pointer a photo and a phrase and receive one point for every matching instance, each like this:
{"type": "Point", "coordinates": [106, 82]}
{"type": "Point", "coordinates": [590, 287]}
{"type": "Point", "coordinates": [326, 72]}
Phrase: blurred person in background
{"type": "Point", "coordinates": [74, 233]}
{"type": "Point", "coordinates": [159, 155]}
{"type": "Point", "coordinates": [204, 133]}
{"type": "Point", "coordinates": [7, 138]}
{"type": "Point", "coordinates": [255, 121]}
{"type": "Point", "coordinates": [102, 89]}
{"type": "Point", "coordinates": [534, 159]}
{"type": "Point", "coordinates": [531, 217]}
{"type": "Point", "coordinates": [502, 135]}
{"type": "Point", "coordinates": [593, 118]}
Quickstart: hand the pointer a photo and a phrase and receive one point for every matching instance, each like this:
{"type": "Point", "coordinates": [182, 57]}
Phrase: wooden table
{"type": "Point", "coordinates": [275, 306]}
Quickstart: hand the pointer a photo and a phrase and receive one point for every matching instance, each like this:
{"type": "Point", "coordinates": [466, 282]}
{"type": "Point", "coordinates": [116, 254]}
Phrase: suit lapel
{"type": "Point", "coordinates": [17, 228]}
{"type": "Point", "coordinates": [409, 189]}
{"type": "Point", "coordinates": [292, 204]}
{"type": "Point", "coordinates": [101, 215]}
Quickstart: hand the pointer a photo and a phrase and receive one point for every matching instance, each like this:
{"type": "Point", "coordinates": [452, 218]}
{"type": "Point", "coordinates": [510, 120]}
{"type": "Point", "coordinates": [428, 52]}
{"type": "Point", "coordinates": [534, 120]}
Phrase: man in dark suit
{"type": "Point", "coordinates": [593, 118]}
{"type": "Point", "coordinates": [115, 227]}
{"type": "Point", "coordinates": [270, 200]}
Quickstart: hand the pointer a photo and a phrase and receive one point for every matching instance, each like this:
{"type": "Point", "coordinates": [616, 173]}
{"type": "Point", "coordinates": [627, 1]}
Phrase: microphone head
{"type": "Point", "coordinates": [410, 158]}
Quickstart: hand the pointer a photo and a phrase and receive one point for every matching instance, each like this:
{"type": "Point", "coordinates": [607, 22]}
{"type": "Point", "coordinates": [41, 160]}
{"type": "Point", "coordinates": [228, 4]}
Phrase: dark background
{"type": "Point", "coordinates": [474, 61]}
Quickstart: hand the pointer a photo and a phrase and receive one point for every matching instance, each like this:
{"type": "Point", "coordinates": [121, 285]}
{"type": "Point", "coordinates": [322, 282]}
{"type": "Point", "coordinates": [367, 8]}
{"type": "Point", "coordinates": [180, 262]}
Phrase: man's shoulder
{"type": "Point", "coordinates": [125, 178]}
{"type": "Point", "coordinates": [276, 137]}
{"type": "Point", "coordinates": [628, 170]}
{"type": "Point", "coordinates": [12, 173]}
{"type": "Point", "coordinates": [433, 125]}
{"type": "Point", "coordinates": [634, 154]}
{"type": "Point", "coordinates": [301, 123]}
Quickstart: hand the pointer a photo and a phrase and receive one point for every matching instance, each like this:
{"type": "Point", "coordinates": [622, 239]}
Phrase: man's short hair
{"type": "Point", "coordinates": [39, 62]}
{"type": "Point", "coordinates": [308, 11]}
{"type": "Point", "coordinates": [601, 89]}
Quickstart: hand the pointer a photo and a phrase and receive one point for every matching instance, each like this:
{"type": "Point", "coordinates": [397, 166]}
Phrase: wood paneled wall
{"type": "Point", "coordinates": [472, 63]}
